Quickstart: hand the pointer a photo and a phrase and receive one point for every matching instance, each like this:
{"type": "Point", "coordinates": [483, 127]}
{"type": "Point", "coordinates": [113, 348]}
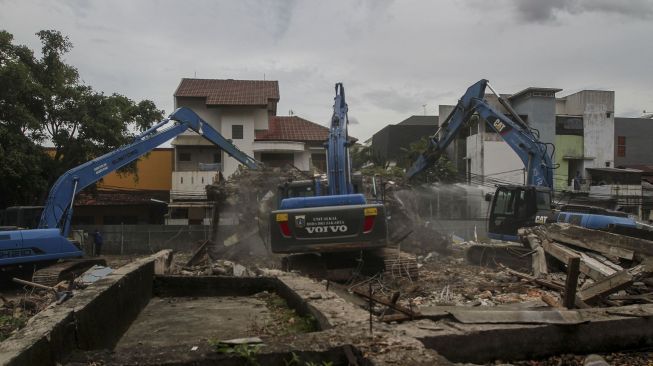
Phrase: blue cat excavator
{"type": "Point", "coordinates": [515, 206]}
{"type": "Point", "coordinates": [48, 243]}
{"type": "Point", "coordinates": [332, 216]}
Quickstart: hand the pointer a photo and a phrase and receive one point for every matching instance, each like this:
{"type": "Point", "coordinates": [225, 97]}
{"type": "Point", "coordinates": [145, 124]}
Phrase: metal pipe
{"type": "Point", "coordinates": [152, 129]}
{"type": "Point", "coordinates": [507, 105]}
{"type": "Point", "coordinates": [37, 285]}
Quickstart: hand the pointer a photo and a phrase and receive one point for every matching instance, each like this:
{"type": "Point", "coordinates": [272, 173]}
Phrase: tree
{"type": "Point", "coordinates": [443, 170]}
{"type": "Point", "coordinates": [45, 103]}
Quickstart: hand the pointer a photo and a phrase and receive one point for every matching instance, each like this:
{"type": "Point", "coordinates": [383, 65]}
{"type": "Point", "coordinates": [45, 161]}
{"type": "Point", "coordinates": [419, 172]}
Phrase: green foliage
{"type": "Point", "coordinates": [44, 102]}
{"type": "Point", "coordinates": [248, 352]}
{"type": "Point", "coordinates": [443, 170]}
{"type": "Point", "coordinates": [295, 360]}
{"type": "Point", "coordinates": [323, 363]}
{"type": "Point", "coordinates": [362, 156]}
{"type": "Point", "coordinates": [9, 323]}
{"type": "Point", "coordinates": [292, 322]}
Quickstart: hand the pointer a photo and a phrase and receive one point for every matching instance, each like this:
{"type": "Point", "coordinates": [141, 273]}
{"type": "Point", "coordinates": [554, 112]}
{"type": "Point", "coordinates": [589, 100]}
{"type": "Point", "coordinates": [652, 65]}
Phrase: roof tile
{"type": "Point", "coordinates": [292, 128]}
{"type": "Point", "coordinates": [230, 92]}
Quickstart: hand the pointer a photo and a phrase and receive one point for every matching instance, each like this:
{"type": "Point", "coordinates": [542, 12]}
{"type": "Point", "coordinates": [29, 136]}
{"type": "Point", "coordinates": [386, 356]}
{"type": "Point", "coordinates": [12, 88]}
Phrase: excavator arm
{"type": "Point", "coordinates": [58, 209]}
{"type": "Point", "coordinates": [516, 134]}
{"type": "Point", "coordinates": [338, 159]}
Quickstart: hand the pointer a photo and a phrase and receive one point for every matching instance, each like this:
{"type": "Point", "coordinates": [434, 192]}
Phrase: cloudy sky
{"type": "Point", "coordinates": [392, 56]}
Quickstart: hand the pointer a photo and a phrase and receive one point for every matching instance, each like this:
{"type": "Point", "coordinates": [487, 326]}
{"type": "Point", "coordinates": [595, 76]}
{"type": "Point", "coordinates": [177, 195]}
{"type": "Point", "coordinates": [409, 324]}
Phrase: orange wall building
{"type": "Point", "coordinates": [154, 173]}
{"type": "Point", "coordinates": [129, 199]}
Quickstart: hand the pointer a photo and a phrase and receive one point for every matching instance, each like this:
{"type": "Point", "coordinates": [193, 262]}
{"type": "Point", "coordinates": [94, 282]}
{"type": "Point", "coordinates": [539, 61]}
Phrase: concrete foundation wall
{"type": "Point", "coordinates": [94, 318]}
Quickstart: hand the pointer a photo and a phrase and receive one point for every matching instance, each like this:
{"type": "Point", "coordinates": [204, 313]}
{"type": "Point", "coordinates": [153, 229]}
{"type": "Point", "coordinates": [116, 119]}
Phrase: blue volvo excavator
{"type": "Point", "coordinates": [332, 215]}
{"type": "Point", "coordinates": [48, 242]}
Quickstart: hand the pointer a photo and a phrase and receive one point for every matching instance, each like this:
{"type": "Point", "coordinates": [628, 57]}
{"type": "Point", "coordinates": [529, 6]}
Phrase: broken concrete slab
{"type": "Point", "coordinates": [474, 316]}
{"type": "Point", "coordinates": [610, 244]}
{"type": "Point", "coordinates": [478, 343]}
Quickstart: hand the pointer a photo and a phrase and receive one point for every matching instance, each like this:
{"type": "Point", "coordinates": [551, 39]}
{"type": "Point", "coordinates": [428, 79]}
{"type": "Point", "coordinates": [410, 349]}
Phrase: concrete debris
{"type": "Point", "coordinates": [220, 267]}
{"type": "Point", "coordinates": [595, 360]}
{"type": "Point", "coordinates": [93, 274]}
{"type": "Point", "coordinates": [237, 341]}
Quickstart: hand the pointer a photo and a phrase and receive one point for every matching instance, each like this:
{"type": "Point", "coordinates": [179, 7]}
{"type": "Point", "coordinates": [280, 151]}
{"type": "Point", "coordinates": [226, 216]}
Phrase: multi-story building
{"type": "Point", "coordinates": [244, 111]}
{"type": "Point", "coordinates": [632, 142]}
{"type": "Point", "coordinates": [390, 143]}
{"type": "Point", "coordinates": [488, 157]}
{"type": "Point", "coordinates": [579, 126]}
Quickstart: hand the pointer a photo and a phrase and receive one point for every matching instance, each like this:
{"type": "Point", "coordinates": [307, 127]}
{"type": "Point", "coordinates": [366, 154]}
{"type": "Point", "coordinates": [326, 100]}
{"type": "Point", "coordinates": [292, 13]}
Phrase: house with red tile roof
{"type": "Point", "coordinates": [244, 111]}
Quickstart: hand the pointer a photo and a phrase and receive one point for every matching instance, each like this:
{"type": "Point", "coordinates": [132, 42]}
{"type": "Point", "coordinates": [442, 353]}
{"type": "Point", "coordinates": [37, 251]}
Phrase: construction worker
{"type": "Point", "coordinates": [97, 239]}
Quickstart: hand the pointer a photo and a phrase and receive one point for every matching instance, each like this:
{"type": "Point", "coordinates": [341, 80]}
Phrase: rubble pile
{"type": "Point", "coordinates": [590, 268]}
{"type": "Point", "coordinates": [17, 309]}
{"type": "Point", "coordinates": [246, 199]}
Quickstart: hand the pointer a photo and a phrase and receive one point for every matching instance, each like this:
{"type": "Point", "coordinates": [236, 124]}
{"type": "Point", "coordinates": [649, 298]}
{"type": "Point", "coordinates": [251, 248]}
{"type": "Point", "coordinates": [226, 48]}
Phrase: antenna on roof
{"type": "Point", "coordinates": [195, 72]}
{"type": "Point", "coordinates": [263, 76]}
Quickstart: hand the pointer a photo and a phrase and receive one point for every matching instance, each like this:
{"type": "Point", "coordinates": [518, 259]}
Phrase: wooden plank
{"type": "Point", "coordinates": [573, 270]}
{"type": "Point", "coordinates": [608, 285]}
{"type": "Point", "coordinates": [600, 241]}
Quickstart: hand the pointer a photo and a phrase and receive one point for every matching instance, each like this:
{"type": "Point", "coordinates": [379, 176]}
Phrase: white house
{"type": "Point", "coordinates": [244, 111]}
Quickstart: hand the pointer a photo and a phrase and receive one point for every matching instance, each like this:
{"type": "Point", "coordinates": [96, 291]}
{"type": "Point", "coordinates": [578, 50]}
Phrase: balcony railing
{"type": "Point", "coordinates": [192, 184]}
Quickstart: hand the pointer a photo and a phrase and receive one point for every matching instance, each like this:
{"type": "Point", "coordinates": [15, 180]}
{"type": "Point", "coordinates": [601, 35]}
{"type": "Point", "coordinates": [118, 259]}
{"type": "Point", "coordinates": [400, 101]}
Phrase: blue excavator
{"type": "Point", "coordinates": [321, 216]}
{"type": "Point", "coordinates": [515, 206]}
{"type": "Point", "coordinates": [48, 243]}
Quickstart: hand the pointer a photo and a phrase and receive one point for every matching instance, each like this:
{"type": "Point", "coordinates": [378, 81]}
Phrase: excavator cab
{"type": "Point", "coordinates": [514, 207]}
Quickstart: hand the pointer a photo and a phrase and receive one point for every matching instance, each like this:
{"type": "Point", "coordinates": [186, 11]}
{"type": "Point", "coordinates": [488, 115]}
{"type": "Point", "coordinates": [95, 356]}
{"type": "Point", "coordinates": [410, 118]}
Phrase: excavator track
{"type": "Point", "coordinates": [341, 267]}
{"type": "Point", "coordinates": [64, 271]}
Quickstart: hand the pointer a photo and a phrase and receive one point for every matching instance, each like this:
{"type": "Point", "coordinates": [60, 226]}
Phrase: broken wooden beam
{"type": "Point", "coordinates": [607, 286]}
{"type": "Point", "coordinates": [539, 257]}
{"type": "Point", "coordinates": [399, 317]}
{"type": "Point", "coordinates": [604, 242]}
{"type": "Point", "coordinates": [589, 266]}
{"type": "Point", "coordinates": [573, 270]}
{"type": "Point", "coordinates": [550, 300]}
{"type": "Point", "coordinates": [539, 281]}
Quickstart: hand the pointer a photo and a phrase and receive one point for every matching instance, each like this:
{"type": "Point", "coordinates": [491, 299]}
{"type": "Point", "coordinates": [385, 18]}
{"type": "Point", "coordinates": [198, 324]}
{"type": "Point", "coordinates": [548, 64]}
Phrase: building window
{"type": "Point", "coordinates": [237, 132]}
{"type": "Point", "coordinates": [621, 146]}
{"type": "Point", "coordinates": [184, 156]}
{"type": "Point", "coordinates": [217, 157]}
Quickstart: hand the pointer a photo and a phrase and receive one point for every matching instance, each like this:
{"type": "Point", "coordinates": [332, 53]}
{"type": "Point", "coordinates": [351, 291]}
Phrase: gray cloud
{"type": "Point", "coordinates": [549, 10]}
{"type": "Point", "coordinates": [407, 102]}
{"type": "Point", "coordinates": [393, 57]}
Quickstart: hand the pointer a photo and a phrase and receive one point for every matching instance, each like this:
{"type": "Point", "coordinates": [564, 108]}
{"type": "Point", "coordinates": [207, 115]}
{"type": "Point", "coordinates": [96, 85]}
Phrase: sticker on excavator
{"type": "Point", "coordinates": [371, 211]}
{"type": "Point", "coordinates": [325, 225]}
